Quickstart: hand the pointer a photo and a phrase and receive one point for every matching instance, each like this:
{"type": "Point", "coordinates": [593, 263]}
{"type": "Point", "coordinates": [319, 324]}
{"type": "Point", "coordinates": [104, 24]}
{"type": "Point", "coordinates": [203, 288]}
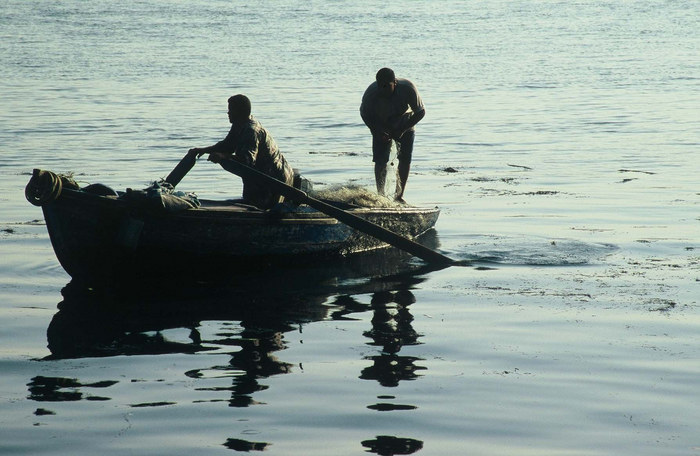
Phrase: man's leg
{"type": "Point", "coordinates": [380, 156]}
{"type": "Point", "coordinates": [404, 168]}
{"type": "Point", "coordinates": [380, 177]}
{"type": "Point", "coordinates": [405, 153]}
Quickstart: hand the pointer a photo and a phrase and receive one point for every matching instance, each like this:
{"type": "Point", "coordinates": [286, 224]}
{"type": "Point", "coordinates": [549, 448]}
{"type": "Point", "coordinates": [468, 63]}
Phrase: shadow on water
{"type": "Point", "coordinates": [255, 312]}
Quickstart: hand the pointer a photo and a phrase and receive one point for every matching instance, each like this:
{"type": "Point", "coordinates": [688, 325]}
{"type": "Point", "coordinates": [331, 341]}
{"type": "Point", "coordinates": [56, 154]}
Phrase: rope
{"type": "Point", "coordinates": [45, 187]}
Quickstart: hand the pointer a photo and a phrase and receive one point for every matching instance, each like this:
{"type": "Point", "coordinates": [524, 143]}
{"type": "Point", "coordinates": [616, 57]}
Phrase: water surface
{"type": "Point", "coordinates": [560, 142]}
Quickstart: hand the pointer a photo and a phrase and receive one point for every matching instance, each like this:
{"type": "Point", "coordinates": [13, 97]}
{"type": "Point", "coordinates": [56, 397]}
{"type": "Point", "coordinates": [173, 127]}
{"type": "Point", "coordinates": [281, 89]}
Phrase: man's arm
{"type": "Point", "coordinates": [398, 132]}
{"type": "Point", "coordinates": [201, 150]}
{"type": "Point", "coordinates": [408, 92]}
{"type": "Point", "coordinates": [415, 118]}
{"type": "Point", "coordinates": [368, 115]}
{"type": "Point", "coordinates": [221, 148]}
{"type": "Point", "coordinates": [374, 126]}
{"type": "Point", "coordinates": [371, 123]}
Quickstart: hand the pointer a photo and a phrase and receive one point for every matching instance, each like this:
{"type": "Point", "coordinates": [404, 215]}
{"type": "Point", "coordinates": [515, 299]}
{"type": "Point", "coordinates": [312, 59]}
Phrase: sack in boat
{"type": "Point", "coordinates": [161, 197]}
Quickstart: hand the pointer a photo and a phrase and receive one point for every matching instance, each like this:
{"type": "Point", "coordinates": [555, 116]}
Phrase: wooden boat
{"type": "Point", "coordinates": [97, 236]}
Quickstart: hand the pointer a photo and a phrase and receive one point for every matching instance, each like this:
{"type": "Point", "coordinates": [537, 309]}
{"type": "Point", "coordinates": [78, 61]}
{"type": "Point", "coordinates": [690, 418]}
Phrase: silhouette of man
{"type": "Point", "coordinates": [391, 107]}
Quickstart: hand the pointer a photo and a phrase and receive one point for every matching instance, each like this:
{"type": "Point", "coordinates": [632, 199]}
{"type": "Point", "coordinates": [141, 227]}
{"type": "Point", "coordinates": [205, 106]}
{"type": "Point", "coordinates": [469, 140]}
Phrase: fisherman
{"type": "Point", "coordinates": [251, 144]}
{"type": "Point", "coordinates": [391, 107]}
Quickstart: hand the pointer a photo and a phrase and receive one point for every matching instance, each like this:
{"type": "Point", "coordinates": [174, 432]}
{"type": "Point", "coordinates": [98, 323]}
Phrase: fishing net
{"type": "Point", "coordinates": [355, 195]}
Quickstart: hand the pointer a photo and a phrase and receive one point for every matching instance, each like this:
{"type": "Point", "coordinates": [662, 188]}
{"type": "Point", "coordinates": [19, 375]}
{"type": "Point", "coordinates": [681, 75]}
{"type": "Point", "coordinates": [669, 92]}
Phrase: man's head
{"type": "Point", "coordinates": [386, 80]}
{"type": "Point", "coordinates": [238, 108]}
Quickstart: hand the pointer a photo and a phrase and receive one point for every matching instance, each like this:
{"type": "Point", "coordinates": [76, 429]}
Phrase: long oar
{"type": "Point", "coordinates": [360, 224]}
{"type": "Point", "coordinates": [181, 169]}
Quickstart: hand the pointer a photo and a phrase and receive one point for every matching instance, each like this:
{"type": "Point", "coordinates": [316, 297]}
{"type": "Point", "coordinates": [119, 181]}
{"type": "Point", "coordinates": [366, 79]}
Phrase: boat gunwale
{"type": "Point", "coordinates": [232, 211]}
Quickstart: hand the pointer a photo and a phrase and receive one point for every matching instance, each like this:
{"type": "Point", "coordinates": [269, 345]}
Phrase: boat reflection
{"type": "Point", "coordinates": [254, 313]}
{"type": "Point", "coordinates": [122, 320]}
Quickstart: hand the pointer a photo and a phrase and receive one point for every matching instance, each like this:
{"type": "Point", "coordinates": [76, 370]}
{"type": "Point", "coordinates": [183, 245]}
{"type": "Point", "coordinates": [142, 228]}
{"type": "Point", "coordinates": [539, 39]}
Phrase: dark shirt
{"type": "Point", "coordinates": [383, 114]}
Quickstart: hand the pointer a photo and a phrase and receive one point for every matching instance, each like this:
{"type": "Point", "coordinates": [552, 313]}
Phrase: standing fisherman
{"type": "Point", "coordinates": [391, 108]}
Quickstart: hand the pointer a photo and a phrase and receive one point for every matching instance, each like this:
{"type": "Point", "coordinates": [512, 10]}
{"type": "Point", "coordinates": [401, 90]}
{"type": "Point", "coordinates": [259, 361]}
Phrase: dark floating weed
{"type": "Point", "coordinates": [153, 404]}
{"type": "Point", "coordinates": [634, 171]}
{"type": "Point", "coordinates": [384, 407]}
{"type": "Point", "coordinates": [519, 166]}
{"type": "Point", "coordinates": [541, 192]}
{"type": "Point", "coordinates": [662, 305]}
{"type": "Point", "coordinates": [245, 445]}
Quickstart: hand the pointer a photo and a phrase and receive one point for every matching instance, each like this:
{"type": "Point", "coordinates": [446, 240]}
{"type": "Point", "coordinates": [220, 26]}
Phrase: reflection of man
{"type": "Point", "coordinates": [391, 108]}
{"type": "Point", "coordinates": [388, 444]}
{"type": "Point", "coordinates": [252, 145]}
{"type": "Point", "coordinates": [391, 330]}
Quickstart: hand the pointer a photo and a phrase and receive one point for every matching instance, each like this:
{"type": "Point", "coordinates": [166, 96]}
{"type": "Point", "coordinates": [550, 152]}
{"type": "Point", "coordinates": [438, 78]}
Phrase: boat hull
{"type": "Point", "coordinates": [98, 237]}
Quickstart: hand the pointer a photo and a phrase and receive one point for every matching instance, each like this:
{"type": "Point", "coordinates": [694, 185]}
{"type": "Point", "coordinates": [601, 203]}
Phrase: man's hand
{"type": "Point", "coordinates": [397, 130]}
{"type": "Point", "coordinates": [397, 134]}
{"type": "Point", "coordinates": [216, 157]}
{"type": "Point", "coordinates": [382, 134]}
{"type": "Point", "coordinates": [198, 151]}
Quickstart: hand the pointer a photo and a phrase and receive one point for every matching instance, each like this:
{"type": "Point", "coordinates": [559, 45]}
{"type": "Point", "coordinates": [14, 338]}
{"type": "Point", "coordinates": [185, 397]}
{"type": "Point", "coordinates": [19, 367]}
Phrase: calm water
{"type": "Point", "coordinates": [561, 142]}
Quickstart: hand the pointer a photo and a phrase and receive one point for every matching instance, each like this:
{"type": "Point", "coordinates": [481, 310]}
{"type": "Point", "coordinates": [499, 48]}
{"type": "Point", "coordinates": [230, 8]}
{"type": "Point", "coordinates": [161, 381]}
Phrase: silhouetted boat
{"type": "Point", "coordinates": [97, 235]}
